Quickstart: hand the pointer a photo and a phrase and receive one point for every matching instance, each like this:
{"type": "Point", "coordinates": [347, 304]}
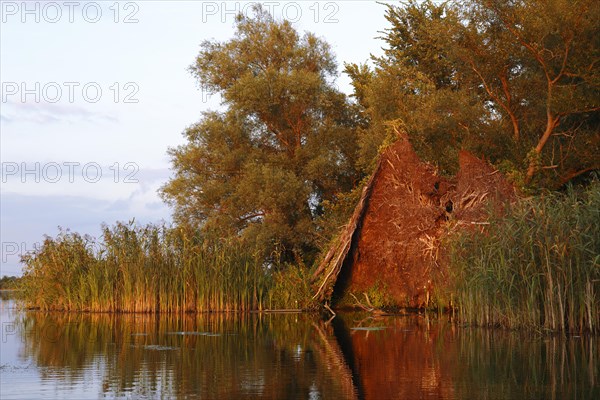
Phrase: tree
{"type": "Point", "coordinates": [514, 81]}
{"type": "Point", "coordinates": [549, 78]}
{"type": "Point", "coordinates": [417, 87]}
{"type": "Point", "coordinates": [260, 170]}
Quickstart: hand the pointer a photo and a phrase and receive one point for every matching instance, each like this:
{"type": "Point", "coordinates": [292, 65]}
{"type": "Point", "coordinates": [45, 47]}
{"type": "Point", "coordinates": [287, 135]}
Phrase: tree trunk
{"type": "Point", "coordinates": [551, 123]}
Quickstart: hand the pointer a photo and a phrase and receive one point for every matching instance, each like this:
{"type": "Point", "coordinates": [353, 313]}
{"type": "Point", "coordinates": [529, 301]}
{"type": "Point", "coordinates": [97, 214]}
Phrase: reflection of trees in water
{"type": "Point", "coordinates": [230, 356]}
{"type": "Point", "coordinates": [7, 295]}
{"type": "Point", "coordinates": [283, 356]}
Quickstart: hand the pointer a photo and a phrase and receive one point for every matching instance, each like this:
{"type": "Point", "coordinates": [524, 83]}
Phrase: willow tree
{"type": "Point", "coordinates": [514, 81]}
{"type": "Point", "coordinates": [538, 61]}
{"type": "Point", "coordinates": [259, 170]}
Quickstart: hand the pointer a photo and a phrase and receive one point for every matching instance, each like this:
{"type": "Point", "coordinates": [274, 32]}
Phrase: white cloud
{"type": "Point", "coordinates": [44, 113]}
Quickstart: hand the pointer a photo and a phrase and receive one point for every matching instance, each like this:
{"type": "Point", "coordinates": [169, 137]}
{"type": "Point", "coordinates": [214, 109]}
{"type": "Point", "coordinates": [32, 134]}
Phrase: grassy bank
{"type": "Point", "coordinates": [144, 269]}
{"type": "Point", "coordinates": [537, 266]}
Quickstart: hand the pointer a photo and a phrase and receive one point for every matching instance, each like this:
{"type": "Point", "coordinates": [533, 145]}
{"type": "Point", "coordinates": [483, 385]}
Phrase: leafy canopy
{"type": "Point", "coordinates": [259, 171]}
{"type": "Point", "coordinates": [514, 81]}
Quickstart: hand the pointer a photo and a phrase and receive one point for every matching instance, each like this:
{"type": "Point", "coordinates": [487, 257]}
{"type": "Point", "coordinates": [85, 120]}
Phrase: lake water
{"type": "Point", "coordinates": [283, 356]}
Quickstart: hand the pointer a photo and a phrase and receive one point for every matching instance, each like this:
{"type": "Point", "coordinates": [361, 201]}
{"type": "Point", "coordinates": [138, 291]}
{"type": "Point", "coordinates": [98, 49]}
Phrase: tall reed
{"type": "Point", "coordinates": [143, 269]}
{"type": "Point", "coordinates": [536, 266]}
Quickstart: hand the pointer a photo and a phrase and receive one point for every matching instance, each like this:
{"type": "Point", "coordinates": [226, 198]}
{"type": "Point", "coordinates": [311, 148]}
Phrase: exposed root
{"type": "Point", "coordinates": [359, 304]}
{"type": "Point", "coordinates": [330, 310]}
{"type": "Point", "coordinates": [395, 234]}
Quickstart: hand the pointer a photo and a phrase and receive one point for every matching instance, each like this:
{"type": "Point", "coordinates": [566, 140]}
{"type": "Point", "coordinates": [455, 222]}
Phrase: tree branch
{"type": "Point", "coordinates": [506, 107]}
{"type": "Point", "coordinates": [575, 174]}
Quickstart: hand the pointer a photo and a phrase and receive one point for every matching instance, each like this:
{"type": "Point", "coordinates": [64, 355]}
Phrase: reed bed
{"type": "Point", "coordinates": [535, 266]}
{"type": "Point", "coordinates": [143, 269]}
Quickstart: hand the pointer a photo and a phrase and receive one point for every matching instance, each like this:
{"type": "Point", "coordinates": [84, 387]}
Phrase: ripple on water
{"type": "Point", "coordinates": [194, 334]}
{"type": "Point", "coordinates": [159, 347]}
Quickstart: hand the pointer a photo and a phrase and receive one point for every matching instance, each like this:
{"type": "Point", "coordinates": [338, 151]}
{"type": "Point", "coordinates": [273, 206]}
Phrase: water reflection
{"type": "Point", "coordinates": [210, 355]}
{"type": "Point", "coordinates": [416, 358]}
{"type": "Point", "coordinates": [398, 358]}
{"type": "Point", "coordinates": [232, 356]}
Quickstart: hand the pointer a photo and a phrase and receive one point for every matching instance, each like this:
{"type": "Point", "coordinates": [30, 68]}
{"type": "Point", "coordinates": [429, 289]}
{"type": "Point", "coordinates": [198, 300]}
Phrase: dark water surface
{"type": "Point", "coordinates": [283, 356]}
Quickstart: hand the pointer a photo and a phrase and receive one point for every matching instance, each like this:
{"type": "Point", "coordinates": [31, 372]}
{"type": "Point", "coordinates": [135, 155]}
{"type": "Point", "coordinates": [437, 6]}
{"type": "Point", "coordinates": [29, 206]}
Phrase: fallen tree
{"type": "Point", "coordinates": [392, 244]}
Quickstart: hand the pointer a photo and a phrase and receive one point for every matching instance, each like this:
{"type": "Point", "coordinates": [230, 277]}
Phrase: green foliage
{"type": "Point", "coordinates": [142, 269]}
{"type": "Point", "coordinates": [536, 266]}
{"type": "Point", "coordinates": [516, 82]}
{"type": "Point", "coordinates": [378, 295]}
{"type": "Point", "coordinates": [157, 269]}
{"type": "Point", "coordinates": [263, 185]}
{"type": "Point", "coordinates": [259, 171]}
{"type": "Point", "coordinates": [291, 289]}
{"type": "Point", "coordinates": [336, 215]}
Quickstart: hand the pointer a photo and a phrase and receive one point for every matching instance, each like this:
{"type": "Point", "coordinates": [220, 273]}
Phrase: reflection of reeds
{"type": "Point", "coordinates": [142, 269]}
{"type": "Point", "coordinates": [245, 355]}
{"type": "Point", "coordinates": [278, 356]}
{"type": "Point", "coordinates": [518, 367]}
{"type": "Point", "coordinates": [537, 266]}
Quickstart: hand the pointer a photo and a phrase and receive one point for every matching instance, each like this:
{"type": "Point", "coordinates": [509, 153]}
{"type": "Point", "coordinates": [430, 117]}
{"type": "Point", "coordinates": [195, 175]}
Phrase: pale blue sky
{"type": "Point", "coordinates": [94, 160]}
